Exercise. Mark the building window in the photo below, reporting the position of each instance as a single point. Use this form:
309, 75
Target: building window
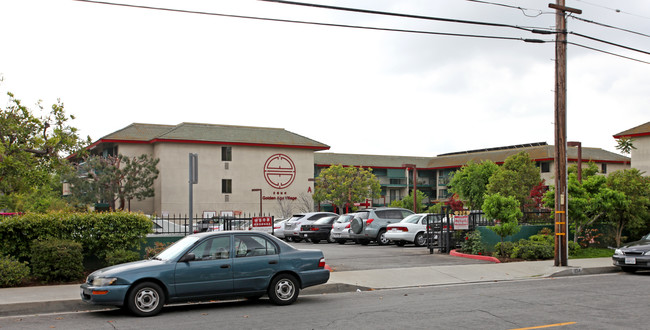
545, 167
226, 154
395, 181
603, 168
226, 186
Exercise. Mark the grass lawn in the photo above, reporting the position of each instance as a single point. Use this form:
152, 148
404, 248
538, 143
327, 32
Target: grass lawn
592, 253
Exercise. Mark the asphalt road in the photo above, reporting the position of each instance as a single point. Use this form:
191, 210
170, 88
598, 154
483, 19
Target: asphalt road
359, 257
606, 301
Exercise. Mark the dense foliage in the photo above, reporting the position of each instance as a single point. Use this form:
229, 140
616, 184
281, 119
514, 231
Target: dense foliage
470, 182
56, 260
12, 271
343, 185
98, 233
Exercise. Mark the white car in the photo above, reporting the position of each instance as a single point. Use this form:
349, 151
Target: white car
412, 229
341, 228
278, 228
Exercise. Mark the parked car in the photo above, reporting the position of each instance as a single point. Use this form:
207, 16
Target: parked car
161, 226
278, 228
341, 228
370, 224
208, 266
319, 230
633, 256
292, 226
412, 229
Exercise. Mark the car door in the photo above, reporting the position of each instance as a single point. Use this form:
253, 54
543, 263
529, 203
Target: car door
256, 261
210, 273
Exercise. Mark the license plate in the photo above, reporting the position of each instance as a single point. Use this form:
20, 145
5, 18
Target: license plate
336, 235
630, 261
304, 235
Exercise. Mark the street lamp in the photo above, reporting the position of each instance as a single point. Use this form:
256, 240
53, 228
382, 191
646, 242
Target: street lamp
260, 190
415, 185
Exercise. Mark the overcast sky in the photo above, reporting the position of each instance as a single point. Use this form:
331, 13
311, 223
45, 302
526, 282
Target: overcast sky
356, 90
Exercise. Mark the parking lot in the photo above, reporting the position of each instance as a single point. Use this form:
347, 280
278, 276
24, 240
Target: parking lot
359, 257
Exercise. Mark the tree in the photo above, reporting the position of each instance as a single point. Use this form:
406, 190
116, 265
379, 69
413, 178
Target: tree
516, 177
33, 150
506, 210
114, 178
407, 202
634, 212
625, 144
346, 185
589, 201
470, 182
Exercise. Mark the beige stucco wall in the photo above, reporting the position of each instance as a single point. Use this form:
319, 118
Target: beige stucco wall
641, 155
246, 170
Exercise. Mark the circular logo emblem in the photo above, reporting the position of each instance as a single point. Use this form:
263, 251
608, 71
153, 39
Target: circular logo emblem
279, 171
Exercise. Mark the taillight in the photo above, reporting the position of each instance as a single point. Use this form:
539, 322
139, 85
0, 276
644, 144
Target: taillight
369, 221
314, 229
348, 226
321, 263
404, 229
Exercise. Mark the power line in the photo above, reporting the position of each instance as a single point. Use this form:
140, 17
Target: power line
612, 9
432, 18
317, 23
606, 52
608, 26
609, 43
523, 10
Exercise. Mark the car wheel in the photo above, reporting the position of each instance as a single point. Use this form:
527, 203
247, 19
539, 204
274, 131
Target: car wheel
420, 240
297, 239
381, 237
400, 243
284, 289
288, 239
330, 239
145, 299
315, 241
341, 241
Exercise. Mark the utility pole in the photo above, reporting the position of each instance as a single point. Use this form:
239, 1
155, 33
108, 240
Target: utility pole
561, 191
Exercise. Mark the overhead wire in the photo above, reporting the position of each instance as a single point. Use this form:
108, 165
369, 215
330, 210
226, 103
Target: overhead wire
385, 13
606, 52
609, 43
316, 23
523, 10
608, 26
612, 9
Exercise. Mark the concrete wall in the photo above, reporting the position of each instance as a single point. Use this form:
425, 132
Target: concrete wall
641, 155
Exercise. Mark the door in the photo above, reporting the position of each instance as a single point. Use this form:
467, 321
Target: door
256, 261
210, 273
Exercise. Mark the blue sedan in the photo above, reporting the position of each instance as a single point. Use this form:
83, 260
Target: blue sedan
207, 266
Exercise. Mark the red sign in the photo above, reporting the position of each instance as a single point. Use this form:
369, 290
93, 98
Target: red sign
262, 222
279, 171
461, 222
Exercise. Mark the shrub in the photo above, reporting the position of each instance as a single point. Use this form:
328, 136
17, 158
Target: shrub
473, 243
121, 256
150, 252
506, 246
12, 271
57, 260
98, 233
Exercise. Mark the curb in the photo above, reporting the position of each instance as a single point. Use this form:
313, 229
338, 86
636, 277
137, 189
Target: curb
571, 271
473, 256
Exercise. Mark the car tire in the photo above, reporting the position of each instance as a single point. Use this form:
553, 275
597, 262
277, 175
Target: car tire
381, 237
341, 241
288, 238
145, 299
420, 240
284, 289
315, 241
297, 239
330, 239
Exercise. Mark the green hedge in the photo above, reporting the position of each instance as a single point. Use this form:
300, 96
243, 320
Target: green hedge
98, 233
57, 260
12, 271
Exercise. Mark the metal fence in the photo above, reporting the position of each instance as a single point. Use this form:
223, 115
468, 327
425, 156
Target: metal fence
179, 225
537, 217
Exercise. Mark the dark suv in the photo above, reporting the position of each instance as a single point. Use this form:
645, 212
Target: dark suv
370, 224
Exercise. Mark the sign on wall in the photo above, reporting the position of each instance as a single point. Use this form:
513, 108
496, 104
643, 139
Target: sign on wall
279, 171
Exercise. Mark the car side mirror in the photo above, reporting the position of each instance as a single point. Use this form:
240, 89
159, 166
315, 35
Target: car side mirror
188, 257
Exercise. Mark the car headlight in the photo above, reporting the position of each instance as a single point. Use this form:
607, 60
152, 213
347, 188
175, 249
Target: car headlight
104, 281
618, 252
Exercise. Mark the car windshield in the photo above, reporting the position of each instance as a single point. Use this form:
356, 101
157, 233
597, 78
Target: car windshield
646, 237
345, 218
413, 218
324, 221
295, 218
176, 249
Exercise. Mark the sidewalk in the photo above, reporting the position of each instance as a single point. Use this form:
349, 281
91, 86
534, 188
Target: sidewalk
65, 298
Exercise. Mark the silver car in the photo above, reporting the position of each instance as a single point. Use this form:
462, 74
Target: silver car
292, 226
341, 228
370, 224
